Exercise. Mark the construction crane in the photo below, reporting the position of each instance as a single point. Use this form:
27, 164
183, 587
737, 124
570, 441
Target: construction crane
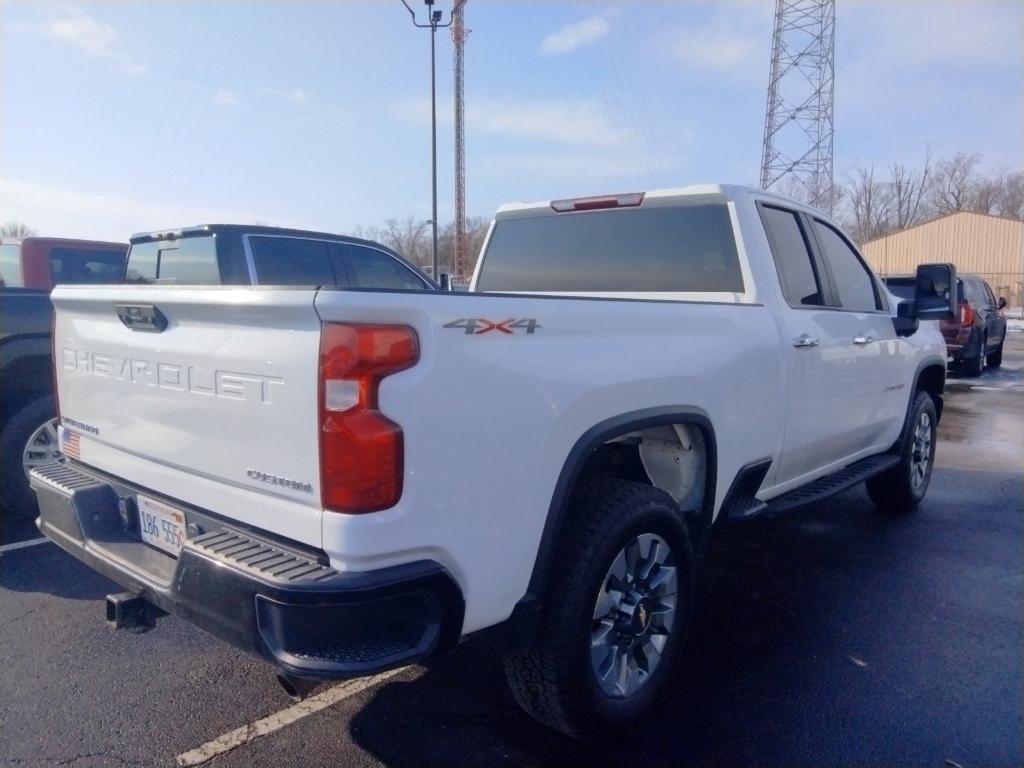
798, 128
459, 34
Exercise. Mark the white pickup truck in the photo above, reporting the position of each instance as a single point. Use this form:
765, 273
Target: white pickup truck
344, 480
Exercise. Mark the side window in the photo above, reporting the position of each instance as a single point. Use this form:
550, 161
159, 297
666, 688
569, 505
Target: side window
10, 266
291, 261
375, 269
855, 284
85, 265
792, 257
990, 295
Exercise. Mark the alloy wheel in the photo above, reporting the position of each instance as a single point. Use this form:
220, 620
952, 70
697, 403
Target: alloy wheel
43, 446
634, 615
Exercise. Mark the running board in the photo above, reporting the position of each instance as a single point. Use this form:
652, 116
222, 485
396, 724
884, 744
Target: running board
837, 482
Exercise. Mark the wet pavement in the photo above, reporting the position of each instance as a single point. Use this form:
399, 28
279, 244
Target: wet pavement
834, 636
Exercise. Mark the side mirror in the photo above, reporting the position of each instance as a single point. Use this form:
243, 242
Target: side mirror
1001, 304
934, 294
445, 282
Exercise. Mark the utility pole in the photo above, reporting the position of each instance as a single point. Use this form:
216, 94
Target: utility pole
459, 34
798, 126
433, 24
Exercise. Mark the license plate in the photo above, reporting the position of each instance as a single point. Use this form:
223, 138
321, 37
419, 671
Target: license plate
161, 525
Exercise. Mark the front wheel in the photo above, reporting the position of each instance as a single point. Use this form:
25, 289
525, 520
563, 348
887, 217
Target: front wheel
902, 488
615, 614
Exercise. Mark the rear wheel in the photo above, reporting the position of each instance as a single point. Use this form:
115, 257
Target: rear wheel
996, 358
901, 489
28, 439
974, 366
615, 613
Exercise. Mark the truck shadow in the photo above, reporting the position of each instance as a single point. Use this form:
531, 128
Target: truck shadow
794, 615
47, 569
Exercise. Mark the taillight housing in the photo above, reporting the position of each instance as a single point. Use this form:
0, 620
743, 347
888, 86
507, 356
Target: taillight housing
362, 451
966, 314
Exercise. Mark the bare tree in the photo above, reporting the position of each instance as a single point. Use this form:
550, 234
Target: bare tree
908, 189
408, 237
870, 203
954, 182
1012, 202
16, 229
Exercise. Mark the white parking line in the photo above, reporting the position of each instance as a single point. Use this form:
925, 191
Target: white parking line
23, 544
278, 720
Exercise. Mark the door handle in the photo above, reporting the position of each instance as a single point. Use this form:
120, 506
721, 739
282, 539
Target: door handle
805, 340
862, 340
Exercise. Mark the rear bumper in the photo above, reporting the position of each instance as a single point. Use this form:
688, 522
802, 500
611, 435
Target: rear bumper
277, 600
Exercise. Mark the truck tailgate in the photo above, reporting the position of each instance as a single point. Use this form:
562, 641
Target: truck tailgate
216, 410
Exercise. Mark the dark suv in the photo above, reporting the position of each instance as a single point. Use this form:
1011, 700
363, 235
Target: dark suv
975, 337
234, 254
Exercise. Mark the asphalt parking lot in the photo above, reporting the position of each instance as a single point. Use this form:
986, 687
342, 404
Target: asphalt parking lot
834, 636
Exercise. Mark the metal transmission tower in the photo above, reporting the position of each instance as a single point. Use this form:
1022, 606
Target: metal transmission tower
798, 127
459, 34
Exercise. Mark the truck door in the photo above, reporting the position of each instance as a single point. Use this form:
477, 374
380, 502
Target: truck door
882, 365
818, 356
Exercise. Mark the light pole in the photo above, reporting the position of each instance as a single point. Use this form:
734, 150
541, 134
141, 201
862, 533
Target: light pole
433, 24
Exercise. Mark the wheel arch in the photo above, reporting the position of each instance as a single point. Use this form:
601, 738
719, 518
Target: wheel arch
580, 454
931, 378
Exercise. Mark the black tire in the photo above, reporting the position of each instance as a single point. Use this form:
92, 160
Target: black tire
900, 490
973, 366
996, 358
17, 498
554, 680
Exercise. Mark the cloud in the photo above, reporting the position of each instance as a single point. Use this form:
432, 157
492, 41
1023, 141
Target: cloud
97, 39
294, 95
573, 36
61, 212
730, 44
579, 122
225, 98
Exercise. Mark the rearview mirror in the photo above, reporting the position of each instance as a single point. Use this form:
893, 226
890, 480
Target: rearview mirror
934, 293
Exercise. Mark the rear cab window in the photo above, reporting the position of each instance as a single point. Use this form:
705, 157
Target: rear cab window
86, 265
682, 248
190, 260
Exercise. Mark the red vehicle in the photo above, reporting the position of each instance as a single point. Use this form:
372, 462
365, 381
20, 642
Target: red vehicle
974, 339
43, 262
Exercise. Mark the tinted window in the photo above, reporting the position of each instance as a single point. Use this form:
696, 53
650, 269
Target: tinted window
792, 257
291, 261
684, 248
85, 265
10, 266
854, 282
903, 287
187, 261
376, 269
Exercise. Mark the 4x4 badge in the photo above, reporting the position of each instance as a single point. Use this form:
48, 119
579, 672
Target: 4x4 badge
481, 325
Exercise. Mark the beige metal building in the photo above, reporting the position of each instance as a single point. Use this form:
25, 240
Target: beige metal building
989, 246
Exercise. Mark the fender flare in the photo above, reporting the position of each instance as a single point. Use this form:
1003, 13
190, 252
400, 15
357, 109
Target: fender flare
573, 465
932, 361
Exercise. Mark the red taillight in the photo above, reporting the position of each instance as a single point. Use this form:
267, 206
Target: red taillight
595, 203
361, 450
966, 314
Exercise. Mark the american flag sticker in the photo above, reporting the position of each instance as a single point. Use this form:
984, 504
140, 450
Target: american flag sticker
70, 443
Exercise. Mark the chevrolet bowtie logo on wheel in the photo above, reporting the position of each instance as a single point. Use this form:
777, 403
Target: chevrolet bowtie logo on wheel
481, 325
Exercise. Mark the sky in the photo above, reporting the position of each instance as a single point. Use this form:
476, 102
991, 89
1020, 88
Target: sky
120, 117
